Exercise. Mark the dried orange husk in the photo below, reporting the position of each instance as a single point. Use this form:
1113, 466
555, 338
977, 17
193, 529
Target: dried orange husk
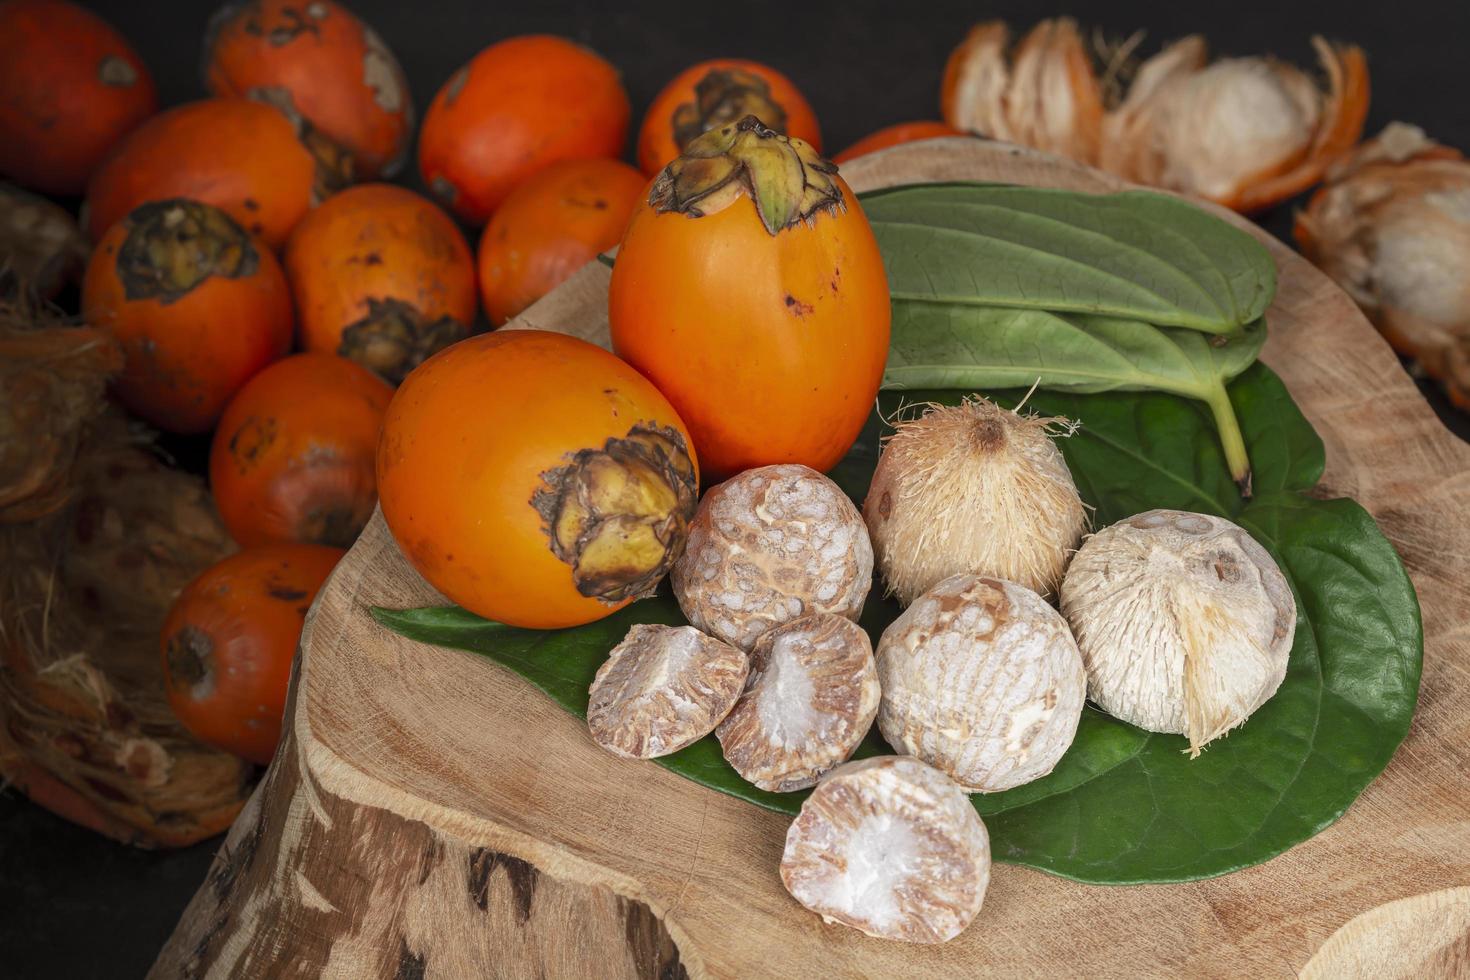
1244, 132
1392, 227
1046, 95
95, 553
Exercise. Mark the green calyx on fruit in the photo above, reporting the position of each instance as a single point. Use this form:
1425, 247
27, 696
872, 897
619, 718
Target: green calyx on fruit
784, 177
620, 515
173, 246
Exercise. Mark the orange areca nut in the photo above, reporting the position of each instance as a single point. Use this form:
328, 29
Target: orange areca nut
752, 263
294, 455
896, 135
72, 88
550, 226
229, 640
536, 479
198, 305
518, 106
381, 276
323, 62
244, 157
716, 93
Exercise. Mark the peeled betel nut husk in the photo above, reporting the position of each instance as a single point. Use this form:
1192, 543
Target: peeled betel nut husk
892, 847
662, 688
1243, 132
975, 488
769, 545
1392, 227
1184, 622
982, 680
809, 699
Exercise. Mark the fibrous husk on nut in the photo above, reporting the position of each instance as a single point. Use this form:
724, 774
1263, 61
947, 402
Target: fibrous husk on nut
981, 679
663, 688
98, 537
809, 700
769, 545
1392, 228
892, 847
1244, 132
1184, 622
973, 488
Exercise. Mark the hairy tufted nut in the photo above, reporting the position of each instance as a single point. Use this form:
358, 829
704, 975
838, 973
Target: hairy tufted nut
1184, 622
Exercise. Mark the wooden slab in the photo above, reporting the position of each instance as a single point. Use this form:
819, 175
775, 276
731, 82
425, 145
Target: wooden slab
431, 814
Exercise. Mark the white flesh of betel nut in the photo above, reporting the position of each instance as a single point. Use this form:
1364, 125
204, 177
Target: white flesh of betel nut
809, 700
890, 846
981, 678
769, 545
663, 688
1184, 621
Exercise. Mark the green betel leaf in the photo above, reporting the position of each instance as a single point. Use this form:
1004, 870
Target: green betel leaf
1135, 255
1125, 805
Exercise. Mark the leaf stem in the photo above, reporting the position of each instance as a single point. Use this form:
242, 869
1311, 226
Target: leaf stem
1232, 441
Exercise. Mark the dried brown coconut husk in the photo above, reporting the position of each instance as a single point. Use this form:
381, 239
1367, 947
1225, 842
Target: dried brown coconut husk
1392, 227
41, 246
98, 536
1243, 132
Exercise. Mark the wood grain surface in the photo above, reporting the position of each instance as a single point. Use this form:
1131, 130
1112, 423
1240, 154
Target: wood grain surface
432, 815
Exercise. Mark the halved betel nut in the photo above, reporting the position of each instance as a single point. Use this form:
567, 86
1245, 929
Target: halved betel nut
892, 847
810, 698
663, 688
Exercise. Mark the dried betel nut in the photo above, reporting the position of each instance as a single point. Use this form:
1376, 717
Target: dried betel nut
809, 700
769, 545
663, 688
1184, 622
890, 846
981, 678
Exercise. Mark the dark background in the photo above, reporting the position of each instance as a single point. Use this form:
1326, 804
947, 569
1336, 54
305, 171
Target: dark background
75, 905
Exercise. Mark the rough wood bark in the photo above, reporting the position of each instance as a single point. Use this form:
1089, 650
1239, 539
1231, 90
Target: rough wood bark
407, 764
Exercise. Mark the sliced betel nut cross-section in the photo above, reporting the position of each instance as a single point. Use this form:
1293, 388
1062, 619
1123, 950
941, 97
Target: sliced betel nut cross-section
890, 846
810, 698
662, 688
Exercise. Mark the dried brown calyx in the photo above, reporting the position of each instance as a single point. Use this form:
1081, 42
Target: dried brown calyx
723, 96
393, 338
786, 180
1244, 132
336, 168
811, 696
172, 246
1392, 228
663, 688
619, 514
891, 847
